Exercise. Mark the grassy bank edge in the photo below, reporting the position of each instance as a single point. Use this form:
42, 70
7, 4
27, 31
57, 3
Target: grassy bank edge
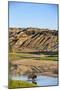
20, 84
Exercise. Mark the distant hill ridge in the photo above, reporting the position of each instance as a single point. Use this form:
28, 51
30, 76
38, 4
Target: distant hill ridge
33, 38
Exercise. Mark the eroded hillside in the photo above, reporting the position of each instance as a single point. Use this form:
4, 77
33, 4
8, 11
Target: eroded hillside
33, 38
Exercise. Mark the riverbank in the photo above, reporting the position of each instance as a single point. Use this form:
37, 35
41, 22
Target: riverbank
20, 84
41, 67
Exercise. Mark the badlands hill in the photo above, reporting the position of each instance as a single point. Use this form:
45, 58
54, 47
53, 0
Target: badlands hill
33, 39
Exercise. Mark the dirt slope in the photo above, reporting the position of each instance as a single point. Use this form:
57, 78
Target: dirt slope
38, 66
33, 38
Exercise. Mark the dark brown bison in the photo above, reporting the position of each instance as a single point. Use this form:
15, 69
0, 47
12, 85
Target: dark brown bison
32, 76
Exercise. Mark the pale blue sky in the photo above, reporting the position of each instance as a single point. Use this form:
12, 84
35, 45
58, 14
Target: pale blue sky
33, 15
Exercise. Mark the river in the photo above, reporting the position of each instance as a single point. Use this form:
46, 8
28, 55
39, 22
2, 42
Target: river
40, 80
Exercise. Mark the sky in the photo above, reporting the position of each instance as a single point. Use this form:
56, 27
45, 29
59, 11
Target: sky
35, 15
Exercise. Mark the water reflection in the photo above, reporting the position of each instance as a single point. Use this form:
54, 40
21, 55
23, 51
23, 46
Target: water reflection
34, 81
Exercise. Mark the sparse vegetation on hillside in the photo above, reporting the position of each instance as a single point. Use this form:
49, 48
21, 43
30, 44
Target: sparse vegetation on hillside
33, 38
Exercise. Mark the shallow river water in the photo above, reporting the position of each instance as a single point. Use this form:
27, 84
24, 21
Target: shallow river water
40, 80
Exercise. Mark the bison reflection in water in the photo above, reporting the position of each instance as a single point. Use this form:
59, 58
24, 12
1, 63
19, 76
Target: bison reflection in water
33, 76
34, 81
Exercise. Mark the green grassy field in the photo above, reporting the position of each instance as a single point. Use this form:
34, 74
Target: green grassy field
27, 56
55, 58
20, 84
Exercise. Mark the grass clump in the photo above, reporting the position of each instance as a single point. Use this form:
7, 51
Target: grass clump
20, 84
